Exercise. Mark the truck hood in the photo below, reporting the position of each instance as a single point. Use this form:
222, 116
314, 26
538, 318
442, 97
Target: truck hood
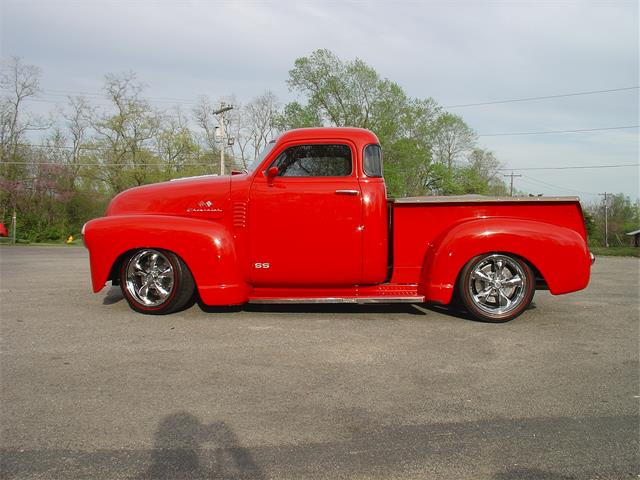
201, 197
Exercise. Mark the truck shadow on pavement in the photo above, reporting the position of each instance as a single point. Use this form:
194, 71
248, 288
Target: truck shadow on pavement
458, 312
341, 308
114, 295
185, 448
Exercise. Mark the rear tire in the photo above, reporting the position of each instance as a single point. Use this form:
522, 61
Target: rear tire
156, 282
496, 287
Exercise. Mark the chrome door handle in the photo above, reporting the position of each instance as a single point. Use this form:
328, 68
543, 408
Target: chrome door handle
346, 192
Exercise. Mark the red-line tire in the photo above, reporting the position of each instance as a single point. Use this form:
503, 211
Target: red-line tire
156, 282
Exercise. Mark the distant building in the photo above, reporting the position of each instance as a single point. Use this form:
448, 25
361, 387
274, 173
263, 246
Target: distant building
635, 240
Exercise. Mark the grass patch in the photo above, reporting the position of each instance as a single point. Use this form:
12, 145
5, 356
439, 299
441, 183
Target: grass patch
616, 251
26, 243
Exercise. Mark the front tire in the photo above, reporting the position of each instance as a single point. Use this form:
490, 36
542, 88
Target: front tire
496, 287
156, 282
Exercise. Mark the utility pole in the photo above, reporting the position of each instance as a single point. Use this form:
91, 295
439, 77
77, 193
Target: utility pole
13, 227
512, 175
606, 217
222, 129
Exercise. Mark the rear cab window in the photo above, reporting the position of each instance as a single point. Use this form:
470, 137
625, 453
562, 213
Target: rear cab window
372, 164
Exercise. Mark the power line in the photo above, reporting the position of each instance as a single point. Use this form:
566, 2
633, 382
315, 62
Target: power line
531, 179
60, 147
574, 167
81, 147
208, 164
512, 169
558, 131
164, 164
530, 99
102, 96
66, 93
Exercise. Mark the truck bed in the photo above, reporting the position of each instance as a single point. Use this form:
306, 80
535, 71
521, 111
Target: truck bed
418, 222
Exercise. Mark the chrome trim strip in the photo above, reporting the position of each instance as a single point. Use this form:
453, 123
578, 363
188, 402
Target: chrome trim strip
483, 199
347, 192
354, 300
194, 176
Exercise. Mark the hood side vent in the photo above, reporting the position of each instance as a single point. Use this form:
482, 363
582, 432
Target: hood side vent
240, 214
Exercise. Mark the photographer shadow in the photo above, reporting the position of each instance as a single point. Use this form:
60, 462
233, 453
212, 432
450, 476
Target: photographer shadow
186, 449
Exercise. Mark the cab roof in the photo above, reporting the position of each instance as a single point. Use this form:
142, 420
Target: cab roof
360, 136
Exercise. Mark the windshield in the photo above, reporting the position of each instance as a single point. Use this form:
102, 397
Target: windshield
265, 151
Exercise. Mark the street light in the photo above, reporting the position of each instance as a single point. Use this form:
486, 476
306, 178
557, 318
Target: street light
220, 131
223, 109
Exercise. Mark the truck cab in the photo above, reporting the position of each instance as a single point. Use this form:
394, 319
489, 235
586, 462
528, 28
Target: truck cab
316, 217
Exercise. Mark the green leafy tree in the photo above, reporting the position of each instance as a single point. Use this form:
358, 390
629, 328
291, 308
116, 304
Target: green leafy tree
417, 137
295, 115
589, 223
343, 93
623, 216
351, 93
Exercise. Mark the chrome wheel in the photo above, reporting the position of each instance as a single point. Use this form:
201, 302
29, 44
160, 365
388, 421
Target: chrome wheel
149, 278
498, 285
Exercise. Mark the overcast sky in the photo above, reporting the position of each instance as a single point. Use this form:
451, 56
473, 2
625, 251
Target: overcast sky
457, 52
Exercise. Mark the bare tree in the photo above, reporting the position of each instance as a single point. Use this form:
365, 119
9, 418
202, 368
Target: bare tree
125, 132
18, 82
253, 126
238, 128
261, 114
453, 138
175, 143
207, 122
78, 119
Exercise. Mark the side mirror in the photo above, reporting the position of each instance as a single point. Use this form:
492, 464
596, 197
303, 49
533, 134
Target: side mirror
272, 172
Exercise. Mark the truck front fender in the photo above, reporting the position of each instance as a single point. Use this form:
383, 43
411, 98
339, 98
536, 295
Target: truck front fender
206, 247
558, 253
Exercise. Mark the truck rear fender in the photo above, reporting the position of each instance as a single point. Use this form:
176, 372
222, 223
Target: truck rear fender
559, 254
206, 247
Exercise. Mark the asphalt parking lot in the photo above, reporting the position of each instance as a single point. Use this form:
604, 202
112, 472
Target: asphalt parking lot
90, 389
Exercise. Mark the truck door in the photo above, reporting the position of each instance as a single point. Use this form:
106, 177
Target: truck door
305, 219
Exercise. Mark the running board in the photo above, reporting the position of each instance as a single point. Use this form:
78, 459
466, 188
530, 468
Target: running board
356, 300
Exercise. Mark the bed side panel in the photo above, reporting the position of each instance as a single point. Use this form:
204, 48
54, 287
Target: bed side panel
417, 226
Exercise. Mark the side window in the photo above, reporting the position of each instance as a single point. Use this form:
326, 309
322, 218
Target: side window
373, 161
314, 161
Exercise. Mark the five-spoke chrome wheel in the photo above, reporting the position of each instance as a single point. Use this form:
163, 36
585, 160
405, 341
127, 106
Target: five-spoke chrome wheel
150, 277
496, 287
156, 281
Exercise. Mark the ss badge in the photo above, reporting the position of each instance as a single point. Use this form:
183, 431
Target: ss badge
261, 265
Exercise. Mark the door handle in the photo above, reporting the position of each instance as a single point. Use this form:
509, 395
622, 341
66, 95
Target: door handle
346, 192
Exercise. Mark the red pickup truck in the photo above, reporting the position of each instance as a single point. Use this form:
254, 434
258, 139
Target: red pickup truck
310, 222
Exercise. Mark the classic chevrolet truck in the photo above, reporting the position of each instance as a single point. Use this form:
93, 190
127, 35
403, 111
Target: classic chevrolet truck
310, 222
